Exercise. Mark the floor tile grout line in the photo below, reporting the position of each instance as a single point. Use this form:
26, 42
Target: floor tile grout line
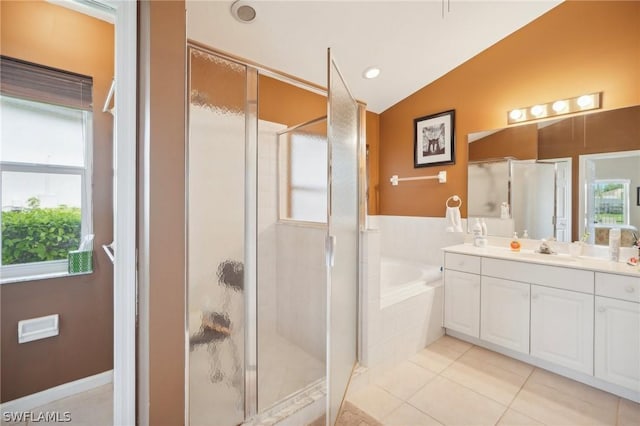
475, 391
572, 382
516, 396
521, 387
436, 374
425, 413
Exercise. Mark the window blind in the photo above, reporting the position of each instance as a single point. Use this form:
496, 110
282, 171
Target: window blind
40, 83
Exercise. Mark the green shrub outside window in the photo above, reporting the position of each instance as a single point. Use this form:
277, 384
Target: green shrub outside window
39, 234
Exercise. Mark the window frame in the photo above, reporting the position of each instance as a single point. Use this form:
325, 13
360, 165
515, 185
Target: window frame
626, 200
54, 268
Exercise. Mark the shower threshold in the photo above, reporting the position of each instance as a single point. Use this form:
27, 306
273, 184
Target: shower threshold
313, 394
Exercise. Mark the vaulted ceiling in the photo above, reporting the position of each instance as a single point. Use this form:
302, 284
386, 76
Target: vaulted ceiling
412, 42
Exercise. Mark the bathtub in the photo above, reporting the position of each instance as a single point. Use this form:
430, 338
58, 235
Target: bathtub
402, 279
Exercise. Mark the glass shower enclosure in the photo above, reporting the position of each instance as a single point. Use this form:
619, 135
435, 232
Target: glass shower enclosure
272, 248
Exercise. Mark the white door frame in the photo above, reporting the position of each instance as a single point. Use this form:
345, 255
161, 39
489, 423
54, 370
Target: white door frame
582, 180
569, 193
124, 232
124, 15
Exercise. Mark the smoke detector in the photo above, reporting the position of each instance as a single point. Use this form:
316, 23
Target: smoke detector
243, 11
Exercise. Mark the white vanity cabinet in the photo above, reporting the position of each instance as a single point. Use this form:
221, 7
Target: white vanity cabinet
504, 313
462, 293
462, 302
562, 327
577, 317
617, 330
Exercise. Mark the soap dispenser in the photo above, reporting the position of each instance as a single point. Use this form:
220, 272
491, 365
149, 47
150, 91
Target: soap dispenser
477, 233
515, 244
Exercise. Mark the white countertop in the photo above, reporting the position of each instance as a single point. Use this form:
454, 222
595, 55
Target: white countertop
563, 260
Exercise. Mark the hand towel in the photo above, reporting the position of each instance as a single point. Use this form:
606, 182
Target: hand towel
454, 220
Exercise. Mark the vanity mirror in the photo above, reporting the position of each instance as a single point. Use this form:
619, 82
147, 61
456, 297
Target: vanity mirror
560, 177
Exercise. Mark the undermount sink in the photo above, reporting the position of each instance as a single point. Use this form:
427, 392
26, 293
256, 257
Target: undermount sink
561, 258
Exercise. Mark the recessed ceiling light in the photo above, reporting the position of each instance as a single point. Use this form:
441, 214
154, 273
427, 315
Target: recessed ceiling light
371, 72
243, 11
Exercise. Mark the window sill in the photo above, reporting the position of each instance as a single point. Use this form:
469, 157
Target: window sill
41, 277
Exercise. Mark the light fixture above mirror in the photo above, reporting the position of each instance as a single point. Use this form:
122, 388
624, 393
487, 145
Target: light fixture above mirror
554, 108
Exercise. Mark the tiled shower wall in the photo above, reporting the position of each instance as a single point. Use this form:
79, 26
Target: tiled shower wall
291, 262
301, 286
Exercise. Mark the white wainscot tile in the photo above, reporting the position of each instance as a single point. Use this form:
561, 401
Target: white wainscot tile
389, 323
374, 323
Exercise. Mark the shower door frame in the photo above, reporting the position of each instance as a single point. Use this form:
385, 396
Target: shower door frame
253, 70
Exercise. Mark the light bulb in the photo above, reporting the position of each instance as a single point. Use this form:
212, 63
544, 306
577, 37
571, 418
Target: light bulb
537, 110
559, 106
585, 101
515, 114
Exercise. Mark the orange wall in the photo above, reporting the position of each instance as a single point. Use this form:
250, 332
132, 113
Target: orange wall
162, 105
577, 47
57, 37
284, 103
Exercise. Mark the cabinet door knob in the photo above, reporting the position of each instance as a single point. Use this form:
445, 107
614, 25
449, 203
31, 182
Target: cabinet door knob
534, 296
630, 289
601, 309
525, 295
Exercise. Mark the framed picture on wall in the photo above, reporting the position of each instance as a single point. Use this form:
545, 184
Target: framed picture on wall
434, 139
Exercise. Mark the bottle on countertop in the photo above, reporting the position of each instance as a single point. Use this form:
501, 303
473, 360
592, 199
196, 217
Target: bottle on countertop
483, 224
525, 234
515, 244
615, 236
477, 233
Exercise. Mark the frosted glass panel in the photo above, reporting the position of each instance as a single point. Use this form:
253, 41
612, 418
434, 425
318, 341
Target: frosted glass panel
216, 212
343, 226
303, 173
488, 188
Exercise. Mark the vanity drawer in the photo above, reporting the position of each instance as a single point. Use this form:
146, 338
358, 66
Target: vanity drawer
618, 286
549, 276
462, 262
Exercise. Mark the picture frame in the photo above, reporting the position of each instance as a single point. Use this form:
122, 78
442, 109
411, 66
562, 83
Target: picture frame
434, 139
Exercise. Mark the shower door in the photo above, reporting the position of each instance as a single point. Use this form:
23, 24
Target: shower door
342, 238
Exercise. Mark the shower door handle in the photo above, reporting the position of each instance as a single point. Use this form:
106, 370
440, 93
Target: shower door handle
330, 248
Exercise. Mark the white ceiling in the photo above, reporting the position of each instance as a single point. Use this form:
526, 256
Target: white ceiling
410, 41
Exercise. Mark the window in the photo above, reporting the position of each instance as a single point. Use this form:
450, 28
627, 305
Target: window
303, 167
45, 175
611, 201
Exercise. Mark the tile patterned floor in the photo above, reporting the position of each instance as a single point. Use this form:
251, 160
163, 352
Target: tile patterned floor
452, 382
449, 383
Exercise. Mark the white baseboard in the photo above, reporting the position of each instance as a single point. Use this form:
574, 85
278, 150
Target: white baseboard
29, 402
